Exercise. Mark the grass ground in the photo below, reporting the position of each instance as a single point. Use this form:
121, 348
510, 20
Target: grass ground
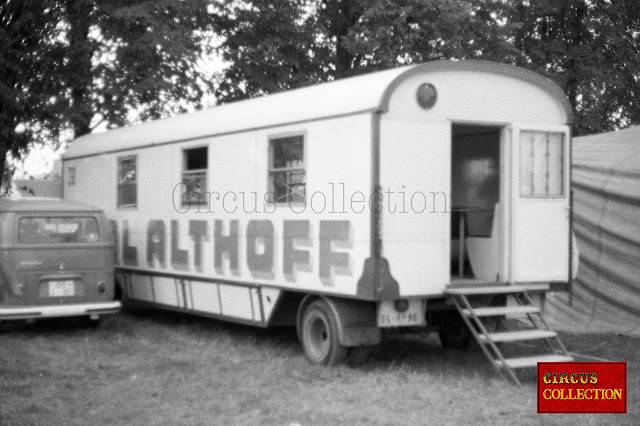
148, 368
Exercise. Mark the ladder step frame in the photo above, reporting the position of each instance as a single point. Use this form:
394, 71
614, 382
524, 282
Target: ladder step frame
495, 311
518, 336
487, 341
532, 361
500, 289
495, 363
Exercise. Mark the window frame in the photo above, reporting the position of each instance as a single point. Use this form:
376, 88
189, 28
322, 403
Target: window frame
204, 201
563, 164
71, 172
119, 160
271, 171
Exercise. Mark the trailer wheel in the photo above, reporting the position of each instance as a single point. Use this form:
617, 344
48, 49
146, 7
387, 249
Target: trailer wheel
320, 335
454, 333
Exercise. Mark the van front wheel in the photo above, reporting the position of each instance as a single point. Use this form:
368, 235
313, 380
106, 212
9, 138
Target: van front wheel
320, 335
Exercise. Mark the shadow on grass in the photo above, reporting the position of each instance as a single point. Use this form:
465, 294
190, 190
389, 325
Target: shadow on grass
48, 326
408, 352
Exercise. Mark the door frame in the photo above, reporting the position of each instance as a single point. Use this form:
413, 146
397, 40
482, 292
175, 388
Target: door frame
505, 188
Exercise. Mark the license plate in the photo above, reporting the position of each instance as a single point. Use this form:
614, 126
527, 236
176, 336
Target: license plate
388, 315
61, 288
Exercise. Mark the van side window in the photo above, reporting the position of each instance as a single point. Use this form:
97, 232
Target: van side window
287, 179
194, 175
127, 182
541, 164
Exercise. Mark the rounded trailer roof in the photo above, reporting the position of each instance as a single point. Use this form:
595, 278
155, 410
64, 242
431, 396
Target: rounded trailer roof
360, 94
43, 205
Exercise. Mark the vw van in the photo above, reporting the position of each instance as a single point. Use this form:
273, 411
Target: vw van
56, 260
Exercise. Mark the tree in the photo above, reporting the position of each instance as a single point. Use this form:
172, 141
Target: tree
335, 20
69, 64
270, 45
23, 28
275, 45
413, 31
591, 49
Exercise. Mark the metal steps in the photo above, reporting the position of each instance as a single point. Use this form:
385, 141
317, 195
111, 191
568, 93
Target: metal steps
502, 310
532, 361
514, 336
474, 305
497, 289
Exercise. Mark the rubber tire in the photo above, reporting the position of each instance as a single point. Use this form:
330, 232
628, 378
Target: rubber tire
456, 334
320, 335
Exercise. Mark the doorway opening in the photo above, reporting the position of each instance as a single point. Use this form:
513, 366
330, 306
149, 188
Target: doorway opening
475, 202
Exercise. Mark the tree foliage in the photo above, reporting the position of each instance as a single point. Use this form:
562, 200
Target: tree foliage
416, 31
24, 27
270, 45
589, 47
68, 64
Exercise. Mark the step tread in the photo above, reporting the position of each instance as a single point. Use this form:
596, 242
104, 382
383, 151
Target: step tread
497, 289
502, 310
532, 361
513, 336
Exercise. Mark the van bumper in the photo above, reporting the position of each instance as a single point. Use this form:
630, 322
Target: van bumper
60, 311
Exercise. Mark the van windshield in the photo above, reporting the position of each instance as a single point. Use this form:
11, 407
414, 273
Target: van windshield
56, 230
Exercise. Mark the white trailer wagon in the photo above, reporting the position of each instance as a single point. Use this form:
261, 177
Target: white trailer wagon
403, 198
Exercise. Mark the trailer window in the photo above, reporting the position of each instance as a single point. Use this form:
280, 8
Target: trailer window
71, 180
541, 164
287, 169
194, 176
127, 182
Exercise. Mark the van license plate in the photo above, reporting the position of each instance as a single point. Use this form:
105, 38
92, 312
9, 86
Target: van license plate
61, 288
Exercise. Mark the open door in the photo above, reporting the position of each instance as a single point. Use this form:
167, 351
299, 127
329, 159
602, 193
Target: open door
476, 181
540, 204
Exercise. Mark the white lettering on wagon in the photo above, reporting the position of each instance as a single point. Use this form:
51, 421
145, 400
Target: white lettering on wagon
163, 247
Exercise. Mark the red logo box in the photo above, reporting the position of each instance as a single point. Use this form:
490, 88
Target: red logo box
582, 387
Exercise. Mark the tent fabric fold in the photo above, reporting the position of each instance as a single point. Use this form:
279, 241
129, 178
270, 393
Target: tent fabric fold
605, 296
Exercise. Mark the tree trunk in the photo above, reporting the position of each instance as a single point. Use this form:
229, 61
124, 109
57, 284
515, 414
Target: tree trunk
577, 31
80, 53
340, 16
4, 149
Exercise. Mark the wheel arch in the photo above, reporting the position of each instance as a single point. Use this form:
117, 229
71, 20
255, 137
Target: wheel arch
356, 319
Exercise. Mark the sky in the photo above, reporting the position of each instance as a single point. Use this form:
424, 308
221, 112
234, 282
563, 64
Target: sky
39, 162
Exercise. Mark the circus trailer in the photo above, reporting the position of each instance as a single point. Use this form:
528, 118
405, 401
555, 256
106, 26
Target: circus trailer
346, 207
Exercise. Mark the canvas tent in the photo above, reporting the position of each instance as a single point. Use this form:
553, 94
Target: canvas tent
605, 296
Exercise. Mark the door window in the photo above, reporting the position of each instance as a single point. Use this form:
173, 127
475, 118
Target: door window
541, 164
